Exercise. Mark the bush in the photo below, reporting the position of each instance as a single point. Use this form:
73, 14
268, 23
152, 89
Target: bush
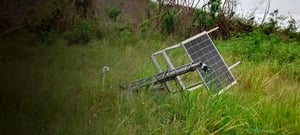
112, 13
168, 20
273, 24
83, 31
259, 47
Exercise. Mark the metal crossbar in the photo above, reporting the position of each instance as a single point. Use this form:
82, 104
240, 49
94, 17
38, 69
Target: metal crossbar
215, 75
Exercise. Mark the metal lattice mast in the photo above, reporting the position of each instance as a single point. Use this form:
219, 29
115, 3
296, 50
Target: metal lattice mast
165, 76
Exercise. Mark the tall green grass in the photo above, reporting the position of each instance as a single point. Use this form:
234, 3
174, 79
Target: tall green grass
56, 89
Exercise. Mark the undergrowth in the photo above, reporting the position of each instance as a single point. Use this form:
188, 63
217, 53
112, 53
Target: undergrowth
56, 89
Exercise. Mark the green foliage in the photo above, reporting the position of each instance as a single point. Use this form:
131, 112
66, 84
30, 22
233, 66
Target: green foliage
125, 33
259, 47
112, 13
273, 24
214, 7
200, 16
168, 20
122, 32
56, 89
291, 29
145, 27
83, 31
204, 17
41, 30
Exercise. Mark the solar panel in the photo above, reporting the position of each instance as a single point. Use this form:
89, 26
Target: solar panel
200, 48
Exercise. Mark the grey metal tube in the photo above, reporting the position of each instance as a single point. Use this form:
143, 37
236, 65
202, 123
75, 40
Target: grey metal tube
165, 76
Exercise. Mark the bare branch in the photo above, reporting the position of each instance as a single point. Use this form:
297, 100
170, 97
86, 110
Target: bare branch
266, 11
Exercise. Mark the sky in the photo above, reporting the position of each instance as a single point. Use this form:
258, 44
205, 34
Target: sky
285, 7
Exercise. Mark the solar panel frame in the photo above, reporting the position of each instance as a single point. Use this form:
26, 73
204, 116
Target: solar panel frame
222, 65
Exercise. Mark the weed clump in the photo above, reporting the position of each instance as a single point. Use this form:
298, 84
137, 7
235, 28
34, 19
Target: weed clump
83, 31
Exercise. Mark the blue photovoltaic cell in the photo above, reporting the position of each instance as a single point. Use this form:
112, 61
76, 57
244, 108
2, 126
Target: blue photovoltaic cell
202, 49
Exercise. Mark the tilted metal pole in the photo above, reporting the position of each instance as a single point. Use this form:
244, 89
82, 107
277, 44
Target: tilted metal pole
165, 76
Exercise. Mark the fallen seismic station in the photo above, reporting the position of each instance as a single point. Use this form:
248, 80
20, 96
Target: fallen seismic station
204, 59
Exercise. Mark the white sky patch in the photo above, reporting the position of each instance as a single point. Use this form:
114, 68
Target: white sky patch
286, 8
246, 7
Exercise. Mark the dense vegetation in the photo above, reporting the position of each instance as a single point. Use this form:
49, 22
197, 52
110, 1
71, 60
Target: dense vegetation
51, 79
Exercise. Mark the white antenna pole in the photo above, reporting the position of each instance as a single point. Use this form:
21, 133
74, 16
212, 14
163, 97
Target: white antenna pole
104, 70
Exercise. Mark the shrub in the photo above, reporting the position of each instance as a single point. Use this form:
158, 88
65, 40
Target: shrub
112, 13
168, 22
272, 26
83, 31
